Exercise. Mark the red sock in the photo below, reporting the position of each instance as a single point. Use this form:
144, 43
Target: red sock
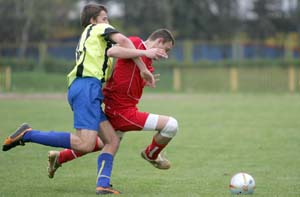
68, 154
154, 149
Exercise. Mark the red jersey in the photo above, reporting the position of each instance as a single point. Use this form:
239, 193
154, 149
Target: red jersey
125, 87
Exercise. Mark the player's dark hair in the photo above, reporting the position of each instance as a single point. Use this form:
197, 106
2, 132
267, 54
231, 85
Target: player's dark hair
91, 10
163, 33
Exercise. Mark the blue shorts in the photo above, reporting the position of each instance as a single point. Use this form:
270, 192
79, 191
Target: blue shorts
85, 98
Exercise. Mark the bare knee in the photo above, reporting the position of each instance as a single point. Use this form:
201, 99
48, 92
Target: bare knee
83, 146
84, 141
112, 140
108, 135
87, 147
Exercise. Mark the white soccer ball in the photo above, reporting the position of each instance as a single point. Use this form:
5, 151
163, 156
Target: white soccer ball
242, 183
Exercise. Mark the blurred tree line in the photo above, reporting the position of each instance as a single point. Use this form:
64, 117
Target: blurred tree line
27, 21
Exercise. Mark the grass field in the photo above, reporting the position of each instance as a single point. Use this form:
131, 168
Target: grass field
220, 134
193, 79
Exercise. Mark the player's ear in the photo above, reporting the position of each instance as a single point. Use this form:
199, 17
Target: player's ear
160, 40
92, 20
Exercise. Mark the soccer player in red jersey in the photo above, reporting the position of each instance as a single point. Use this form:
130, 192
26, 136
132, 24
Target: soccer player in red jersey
123, 92
121, 96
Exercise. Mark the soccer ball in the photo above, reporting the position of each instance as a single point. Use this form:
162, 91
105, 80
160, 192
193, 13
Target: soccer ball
242, 183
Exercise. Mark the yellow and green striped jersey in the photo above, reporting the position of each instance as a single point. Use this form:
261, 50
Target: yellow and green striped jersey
91, 53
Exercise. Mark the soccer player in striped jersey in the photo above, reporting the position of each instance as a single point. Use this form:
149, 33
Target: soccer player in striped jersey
122, 93
93, 62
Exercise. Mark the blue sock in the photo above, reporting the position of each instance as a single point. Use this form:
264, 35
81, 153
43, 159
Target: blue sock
52, 138
105, 164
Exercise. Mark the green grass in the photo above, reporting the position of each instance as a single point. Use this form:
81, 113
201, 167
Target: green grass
220, 134
193, 79
38, 82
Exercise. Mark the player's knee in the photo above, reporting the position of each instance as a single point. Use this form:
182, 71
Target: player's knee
170, 129
116, 141
112, 142
87, 147
83, 146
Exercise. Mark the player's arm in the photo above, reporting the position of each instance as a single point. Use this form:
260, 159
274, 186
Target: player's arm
129, 53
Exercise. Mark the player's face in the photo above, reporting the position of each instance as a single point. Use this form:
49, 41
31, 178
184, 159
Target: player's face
101, 18
167, 46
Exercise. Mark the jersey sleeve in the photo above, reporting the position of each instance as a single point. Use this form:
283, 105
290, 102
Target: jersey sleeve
105, 30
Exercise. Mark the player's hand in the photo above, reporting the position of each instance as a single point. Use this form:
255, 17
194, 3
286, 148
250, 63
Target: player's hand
156, 78
148, 77
156, 53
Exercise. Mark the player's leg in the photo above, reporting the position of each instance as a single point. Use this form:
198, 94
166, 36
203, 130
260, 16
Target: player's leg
167, 128
81, 141
132, 119
69, 154
83, 98
57, 158
105, 160
26, 134
88, 114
